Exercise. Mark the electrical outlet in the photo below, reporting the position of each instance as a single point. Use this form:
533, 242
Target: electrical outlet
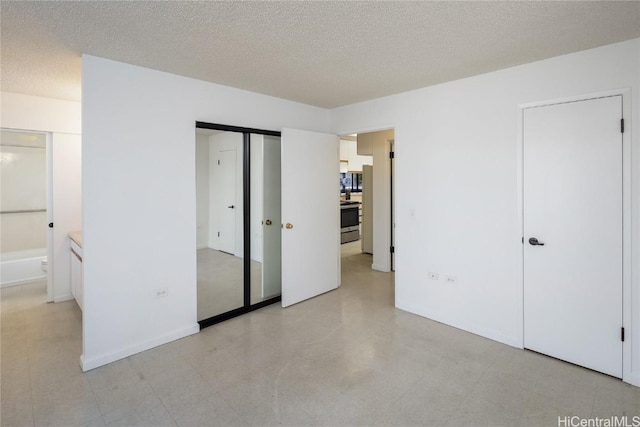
450, 279
434, 276
160, 293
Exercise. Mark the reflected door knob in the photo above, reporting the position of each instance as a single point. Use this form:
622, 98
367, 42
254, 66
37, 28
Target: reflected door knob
268, 222
289, 226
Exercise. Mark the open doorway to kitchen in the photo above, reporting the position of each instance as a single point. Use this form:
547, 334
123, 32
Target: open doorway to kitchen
366, 198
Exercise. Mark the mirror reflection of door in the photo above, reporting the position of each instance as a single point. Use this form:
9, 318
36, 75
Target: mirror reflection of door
219, 222
224, 198
265, 218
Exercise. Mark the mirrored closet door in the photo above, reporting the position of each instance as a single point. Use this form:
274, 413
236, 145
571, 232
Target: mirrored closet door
266, 244
238, 221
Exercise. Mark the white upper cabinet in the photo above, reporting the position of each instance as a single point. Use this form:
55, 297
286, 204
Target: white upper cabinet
349, 153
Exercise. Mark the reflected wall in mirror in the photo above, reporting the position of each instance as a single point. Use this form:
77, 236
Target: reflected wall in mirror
219, 218
266, 246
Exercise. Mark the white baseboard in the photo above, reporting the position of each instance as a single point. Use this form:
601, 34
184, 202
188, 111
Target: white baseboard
95, 362
63, 298
382, 268
22, 281
439, 317
634, 379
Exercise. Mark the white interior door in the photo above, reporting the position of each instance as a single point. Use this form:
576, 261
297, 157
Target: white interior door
272, 234
573, 206
66, 208
227, 202
310, 215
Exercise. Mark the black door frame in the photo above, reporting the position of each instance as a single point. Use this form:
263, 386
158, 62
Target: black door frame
246, 222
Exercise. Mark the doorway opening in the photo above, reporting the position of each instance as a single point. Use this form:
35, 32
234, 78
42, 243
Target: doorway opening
366, 161
238, 221
24, 210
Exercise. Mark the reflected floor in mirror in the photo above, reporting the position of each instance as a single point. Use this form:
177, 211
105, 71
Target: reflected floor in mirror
220, 282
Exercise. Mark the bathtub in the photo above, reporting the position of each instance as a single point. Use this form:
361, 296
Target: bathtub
17, 268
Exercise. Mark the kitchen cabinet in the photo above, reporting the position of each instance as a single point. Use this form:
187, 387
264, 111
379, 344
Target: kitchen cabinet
365, 144
77, 285
349, 153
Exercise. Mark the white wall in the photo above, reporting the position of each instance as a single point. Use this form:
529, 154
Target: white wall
139, 198
202, 186
456, 185
28, 112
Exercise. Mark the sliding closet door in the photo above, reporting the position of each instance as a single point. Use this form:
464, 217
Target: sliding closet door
266, 247
238, 220
219, 210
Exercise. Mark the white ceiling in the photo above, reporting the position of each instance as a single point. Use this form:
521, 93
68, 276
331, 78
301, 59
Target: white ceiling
320, 53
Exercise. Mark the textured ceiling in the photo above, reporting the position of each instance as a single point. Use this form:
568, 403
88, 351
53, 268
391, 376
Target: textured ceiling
321, 53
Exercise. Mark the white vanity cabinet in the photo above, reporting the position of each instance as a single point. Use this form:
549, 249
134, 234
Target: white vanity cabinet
77, 288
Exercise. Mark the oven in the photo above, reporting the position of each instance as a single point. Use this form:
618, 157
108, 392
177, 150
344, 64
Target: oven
349, 221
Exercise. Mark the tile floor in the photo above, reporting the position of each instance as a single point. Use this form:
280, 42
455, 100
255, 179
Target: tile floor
346, 358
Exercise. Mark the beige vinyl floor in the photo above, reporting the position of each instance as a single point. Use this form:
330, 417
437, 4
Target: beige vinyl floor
345, 358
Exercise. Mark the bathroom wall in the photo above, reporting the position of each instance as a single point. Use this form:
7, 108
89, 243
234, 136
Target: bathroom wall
23, 186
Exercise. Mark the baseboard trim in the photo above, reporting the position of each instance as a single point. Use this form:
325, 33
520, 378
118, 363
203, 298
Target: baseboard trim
382, 268
438, 317
95, 362
634, 379
22, 281
63, 298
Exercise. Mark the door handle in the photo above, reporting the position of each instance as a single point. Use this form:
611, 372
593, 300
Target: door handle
231, 207
268, 222
289, 226
534, 242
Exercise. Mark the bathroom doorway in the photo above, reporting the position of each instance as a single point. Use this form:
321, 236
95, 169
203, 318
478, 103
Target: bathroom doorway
24, 202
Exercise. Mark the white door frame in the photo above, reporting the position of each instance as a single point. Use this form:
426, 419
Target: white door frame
627, 236
50, 263
49, 202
